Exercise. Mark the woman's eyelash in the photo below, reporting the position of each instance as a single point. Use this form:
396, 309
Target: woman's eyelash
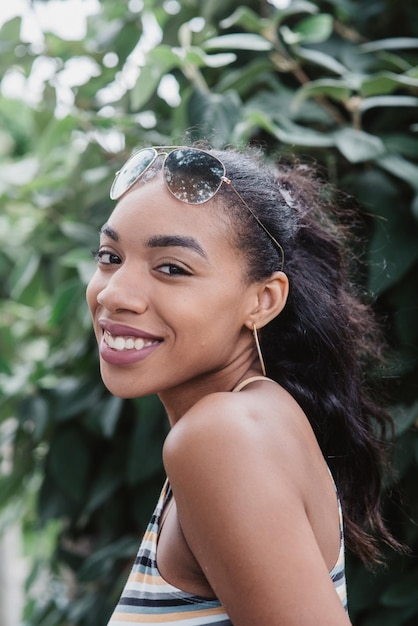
106, 257
101, 254
173, 270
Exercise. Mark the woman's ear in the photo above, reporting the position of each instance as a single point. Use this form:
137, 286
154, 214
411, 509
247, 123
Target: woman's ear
271, 295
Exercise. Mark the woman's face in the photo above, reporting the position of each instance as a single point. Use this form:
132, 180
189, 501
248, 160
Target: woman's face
169, 298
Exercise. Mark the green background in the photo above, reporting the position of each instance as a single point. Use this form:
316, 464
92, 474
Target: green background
334, 82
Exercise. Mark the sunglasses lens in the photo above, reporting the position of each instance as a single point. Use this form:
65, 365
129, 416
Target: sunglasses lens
131, 171
193, 176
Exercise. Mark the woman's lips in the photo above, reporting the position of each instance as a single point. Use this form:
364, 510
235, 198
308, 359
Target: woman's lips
120, 330
123, 345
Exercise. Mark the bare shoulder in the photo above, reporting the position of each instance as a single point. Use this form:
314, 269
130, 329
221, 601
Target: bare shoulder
243, 452
244, 462
262, 423
232, 452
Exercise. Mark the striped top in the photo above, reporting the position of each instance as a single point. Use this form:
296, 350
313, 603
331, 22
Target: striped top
149, 599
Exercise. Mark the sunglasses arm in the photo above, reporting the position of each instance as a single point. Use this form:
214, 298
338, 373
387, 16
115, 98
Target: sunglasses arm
227, 181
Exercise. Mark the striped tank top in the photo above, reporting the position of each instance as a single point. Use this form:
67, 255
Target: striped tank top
149, 599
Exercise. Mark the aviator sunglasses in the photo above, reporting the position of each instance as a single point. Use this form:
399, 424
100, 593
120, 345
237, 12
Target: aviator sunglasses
192, 175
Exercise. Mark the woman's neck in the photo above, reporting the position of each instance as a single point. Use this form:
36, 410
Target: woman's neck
180, 399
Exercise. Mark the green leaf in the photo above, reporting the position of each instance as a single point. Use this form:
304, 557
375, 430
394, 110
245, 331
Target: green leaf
78, 231
273, 103
214, 116
338, 90
312, 29
245, 17
245, 80
288, 132
383, 83
110, 411
65, 302
400, 167
294, 8
315, 28
9, 36
19, 173
393, 43
75, 258
72, 397
104, 559
159, 61
393, 250
358, 146
317, 57
57, 133
388, 101
218, 60
403, 144
239, 41
34, 410
24, 273
196, 57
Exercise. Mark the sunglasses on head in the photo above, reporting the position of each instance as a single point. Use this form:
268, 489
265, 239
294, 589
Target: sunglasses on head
192, 175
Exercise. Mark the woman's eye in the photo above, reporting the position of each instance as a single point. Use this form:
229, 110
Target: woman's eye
173, 270
105, 257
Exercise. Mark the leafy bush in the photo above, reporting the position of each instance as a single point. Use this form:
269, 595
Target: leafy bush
333, 81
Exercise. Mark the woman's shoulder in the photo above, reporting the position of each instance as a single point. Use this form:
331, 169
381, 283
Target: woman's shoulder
262, 423
224, 414
241, 462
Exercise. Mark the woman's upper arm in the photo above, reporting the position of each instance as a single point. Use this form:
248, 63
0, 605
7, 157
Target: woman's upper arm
245, 521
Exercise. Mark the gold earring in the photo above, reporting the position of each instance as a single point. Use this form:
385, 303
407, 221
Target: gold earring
260, 356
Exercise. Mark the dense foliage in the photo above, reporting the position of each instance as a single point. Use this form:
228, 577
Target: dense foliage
335, 81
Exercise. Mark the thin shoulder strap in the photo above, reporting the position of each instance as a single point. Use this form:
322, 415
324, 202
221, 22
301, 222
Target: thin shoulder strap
250, 380
164, 505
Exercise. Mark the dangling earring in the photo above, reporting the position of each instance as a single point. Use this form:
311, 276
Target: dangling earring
260, 356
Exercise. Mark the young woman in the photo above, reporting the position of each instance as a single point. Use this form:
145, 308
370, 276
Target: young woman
221, 285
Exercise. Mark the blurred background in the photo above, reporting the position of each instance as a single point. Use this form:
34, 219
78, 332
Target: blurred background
84, 82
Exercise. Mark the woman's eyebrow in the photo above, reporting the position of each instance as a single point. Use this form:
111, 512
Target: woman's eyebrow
166, 241
109, 232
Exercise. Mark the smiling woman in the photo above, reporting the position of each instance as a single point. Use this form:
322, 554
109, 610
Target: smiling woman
221, 285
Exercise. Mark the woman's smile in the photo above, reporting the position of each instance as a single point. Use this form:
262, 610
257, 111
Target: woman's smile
122, 345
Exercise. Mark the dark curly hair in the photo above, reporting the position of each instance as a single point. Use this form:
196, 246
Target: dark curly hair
322, 346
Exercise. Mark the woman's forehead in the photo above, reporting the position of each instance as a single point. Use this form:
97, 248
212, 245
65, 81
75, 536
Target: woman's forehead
151, 210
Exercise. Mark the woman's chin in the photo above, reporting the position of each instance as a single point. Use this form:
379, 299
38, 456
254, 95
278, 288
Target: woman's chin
120, 388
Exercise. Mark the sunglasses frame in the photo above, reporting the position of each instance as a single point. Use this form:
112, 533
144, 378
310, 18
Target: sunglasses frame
166, 151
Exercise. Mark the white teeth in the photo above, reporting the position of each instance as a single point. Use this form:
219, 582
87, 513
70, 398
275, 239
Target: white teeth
139, 344
119, 343
126, 343
109, 339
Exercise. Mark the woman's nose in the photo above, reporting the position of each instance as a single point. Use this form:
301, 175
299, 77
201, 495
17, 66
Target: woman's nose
123, 292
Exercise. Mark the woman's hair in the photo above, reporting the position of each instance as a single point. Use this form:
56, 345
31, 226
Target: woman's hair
325, 340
